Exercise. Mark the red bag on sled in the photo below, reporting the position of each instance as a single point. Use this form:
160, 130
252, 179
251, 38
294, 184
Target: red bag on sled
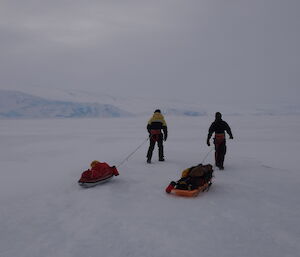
98, 173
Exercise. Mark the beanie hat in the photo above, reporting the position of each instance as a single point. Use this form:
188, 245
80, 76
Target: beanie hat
218, 115
157, 110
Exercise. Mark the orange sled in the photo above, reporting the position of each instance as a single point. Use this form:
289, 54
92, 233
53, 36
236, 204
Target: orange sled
193, 180
191, 193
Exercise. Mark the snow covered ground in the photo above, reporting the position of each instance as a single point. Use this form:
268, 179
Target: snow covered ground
252, 209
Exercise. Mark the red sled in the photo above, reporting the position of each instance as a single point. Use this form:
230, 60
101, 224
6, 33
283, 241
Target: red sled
99, 173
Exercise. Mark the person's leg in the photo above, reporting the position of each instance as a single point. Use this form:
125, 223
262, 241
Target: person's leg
217, 156
160, 148
150, 150
222, 152
216, 153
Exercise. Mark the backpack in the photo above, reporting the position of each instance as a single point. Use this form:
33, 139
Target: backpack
195, 177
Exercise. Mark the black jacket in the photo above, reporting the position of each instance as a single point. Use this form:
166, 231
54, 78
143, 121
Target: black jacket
219, 126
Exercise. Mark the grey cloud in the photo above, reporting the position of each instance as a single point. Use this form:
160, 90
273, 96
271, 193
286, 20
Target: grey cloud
211, 49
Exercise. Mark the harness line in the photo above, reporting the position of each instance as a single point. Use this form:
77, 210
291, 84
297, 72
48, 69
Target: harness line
207, 154
126, 159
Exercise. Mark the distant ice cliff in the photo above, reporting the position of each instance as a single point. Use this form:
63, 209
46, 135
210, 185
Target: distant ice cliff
15, 104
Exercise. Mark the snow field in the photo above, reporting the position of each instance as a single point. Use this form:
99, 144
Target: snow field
252, 208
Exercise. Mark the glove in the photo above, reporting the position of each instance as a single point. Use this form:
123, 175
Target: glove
207, 142
165, 137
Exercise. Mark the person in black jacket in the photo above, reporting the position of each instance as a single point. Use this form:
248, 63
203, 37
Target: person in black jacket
219, 127
155, 126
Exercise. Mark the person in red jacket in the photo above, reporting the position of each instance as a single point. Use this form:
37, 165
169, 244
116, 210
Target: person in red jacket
219, 127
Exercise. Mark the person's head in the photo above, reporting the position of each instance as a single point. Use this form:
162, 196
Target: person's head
218, 116
157, 111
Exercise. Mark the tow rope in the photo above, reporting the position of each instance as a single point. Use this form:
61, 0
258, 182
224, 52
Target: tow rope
207, 154
126, 159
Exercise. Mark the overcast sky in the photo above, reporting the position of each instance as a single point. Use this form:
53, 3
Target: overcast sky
223, 50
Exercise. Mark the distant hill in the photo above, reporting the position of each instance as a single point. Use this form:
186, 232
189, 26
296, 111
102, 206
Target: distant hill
83, 104
15, 104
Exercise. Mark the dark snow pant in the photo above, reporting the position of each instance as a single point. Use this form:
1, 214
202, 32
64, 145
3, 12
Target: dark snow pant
153, 140
220, 151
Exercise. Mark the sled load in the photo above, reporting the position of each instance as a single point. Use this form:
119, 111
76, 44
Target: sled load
193, 180
98, 173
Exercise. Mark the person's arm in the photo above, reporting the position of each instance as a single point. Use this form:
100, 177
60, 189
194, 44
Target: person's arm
165, 130
210, 132
228, 130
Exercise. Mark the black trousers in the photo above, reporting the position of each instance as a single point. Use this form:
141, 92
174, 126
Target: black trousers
220, 151
153, 139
